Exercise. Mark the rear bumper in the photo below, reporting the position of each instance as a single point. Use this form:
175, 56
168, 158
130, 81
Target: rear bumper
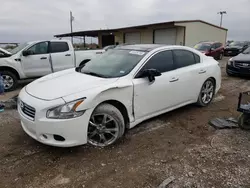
231, 52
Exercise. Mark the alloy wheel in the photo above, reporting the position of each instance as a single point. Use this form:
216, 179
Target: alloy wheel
8, 81
207, 92
103, 130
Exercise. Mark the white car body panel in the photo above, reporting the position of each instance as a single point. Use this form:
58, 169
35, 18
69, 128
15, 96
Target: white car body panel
142, 99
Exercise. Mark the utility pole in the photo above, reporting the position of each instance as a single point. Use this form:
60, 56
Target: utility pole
221, 16
71, 26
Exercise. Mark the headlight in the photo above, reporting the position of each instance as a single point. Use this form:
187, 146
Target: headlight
230, 62
66, 111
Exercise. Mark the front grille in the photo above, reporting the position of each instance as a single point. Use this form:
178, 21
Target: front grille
242, 64
28, 110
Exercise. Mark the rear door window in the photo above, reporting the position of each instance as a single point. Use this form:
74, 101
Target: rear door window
56, 47
184, 58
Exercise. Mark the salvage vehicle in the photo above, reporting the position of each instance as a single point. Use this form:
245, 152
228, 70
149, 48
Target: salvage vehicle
240, 64
214, 49
235, 48
39, 58
95, 103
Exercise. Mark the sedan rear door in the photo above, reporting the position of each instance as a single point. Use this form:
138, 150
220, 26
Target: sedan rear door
191, 74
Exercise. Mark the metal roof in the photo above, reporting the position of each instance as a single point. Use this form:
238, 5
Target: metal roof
94, 33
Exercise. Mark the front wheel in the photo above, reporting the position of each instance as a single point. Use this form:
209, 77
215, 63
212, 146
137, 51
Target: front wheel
106, 126
9, 80
207, 93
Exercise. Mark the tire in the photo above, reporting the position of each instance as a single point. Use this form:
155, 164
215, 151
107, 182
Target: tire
244, 121
111, 131
12, 80
209, 95
220, 56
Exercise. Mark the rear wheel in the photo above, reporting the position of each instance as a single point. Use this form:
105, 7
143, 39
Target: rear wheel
9, 80
244, 121
220, 56
106, 126
207, 93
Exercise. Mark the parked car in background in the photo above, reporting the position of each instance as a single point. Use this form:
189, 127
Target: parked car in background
240, 64
4, 53
115, 91
236, 47
39, 58
214, 49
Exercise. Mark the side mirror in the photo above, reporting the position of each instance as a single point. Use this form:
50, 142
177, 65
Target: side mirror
151, 74
27, 53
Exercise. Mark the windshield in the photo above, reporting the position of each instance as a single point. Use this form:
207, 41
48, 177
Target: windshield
18, 48
246, 51
236, 43
203, 46
113, 63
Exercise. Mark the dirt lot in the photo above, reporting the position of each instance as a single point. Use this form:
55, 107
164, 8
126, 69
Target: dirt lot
179, 144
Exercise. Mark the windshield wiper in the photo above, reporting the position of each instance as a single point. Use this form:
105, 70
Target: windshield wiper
95, 74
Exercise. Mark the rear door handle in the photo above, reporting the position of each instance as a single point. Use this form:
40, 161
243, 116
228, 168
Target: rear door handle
202, 71
174, 80
68, 55
43, 58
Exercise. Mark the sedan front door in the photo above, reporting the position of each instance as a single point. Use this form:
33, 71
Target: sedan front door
153, 97
38, 62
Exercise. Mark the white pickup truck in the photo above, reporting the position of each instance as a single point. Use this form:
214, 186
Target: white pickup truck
39, 58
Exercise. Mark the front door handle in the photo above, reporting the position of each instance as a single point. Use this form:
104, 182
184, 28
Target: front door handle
68, 55
43, 58
202, 71
174, 80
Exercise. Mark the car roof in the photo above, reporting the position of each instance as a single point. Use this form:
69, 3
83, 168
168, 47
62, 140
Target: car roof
141, 47
208, 42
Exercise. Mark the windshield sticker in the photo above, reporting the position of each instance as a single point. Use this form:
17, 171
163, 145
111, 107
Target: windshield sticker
122, 72
137, 52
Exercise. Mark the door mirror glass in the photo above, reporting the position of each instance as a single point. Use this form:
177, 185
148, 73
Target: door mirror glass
151, 74
27, 52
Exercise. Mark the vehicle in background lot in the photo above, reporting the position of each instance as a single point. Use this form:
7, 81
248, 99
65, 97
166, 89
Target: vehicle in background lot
214, 49
240, 64
236, 47
118, 90
4, 53
36, 59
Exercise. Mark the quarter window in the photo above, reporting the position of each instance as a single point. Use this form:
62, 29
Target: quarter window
39, 48
184, 58
56, 47
162, 61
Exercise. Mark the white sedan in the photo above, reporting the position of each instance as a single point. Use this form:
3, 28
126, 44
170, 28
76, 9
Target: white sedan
120, 89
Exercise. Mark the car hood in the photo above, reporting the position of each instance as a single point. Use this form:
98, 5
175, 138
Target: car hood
64, 83
242, 57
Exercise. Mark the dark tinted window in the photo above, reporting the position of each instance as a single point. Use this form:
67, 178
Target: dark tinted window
39, 48
58, 47
162, 61
218, 45
184, 58
197, 58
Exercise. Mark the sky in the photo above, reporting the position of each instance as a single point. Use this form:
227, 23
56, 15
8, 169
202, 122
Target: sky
28, 20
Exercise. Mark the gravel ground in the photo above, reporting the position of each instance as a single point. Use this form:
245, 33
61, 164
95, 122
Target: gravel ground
180, 144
